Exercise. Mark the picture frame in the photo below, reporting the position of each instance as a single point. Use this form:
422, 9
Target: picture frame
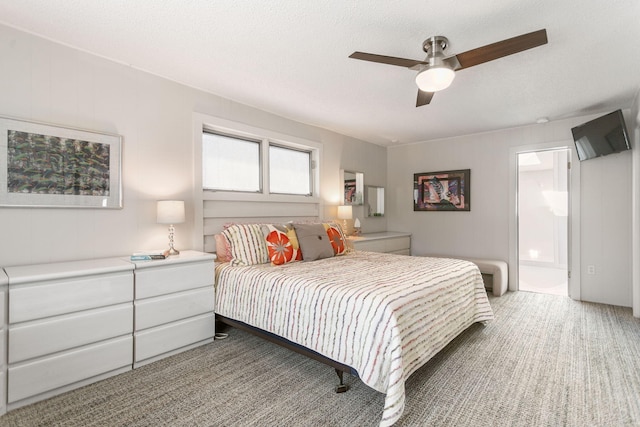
46, 165
442, 191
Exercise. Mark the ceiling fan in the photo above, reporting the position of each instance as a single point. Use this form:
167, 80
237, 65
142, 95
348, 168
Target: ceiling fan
436, 72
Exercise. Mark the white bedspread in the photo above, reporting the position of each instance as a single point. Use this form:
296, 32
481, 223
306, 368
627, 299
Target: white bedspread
384, 315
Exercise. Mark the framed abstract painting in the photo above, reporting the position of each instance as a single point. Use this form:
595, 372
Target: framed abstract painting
442, 191
43, 165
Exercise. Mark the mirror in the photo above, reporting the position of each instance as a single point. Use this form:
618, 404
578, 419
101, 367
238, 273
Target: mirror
353, 188
375, 201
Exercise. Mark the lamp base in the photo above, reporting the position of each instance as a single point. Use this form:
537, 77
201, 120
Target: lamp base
345, 227
172, 250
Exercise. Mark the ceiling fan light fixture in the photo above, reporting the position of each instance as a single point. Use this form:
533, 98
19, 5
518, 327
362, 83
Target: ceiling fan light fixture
433, 79
437, 71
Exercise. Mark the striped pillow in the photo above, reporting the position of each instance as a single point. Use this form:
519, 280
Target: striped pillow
246, 244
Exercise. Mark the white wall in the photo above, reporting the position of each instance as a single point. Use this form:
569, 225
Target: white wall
606, 198
47, 82
605, 208
635, 132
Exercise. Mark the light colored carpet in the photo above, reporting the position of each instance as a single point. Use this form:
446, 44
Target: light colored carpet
545, 361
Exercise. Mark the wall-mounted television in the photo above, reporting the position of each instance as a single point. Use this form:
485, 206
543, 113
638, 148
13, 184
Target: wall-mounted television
601, 136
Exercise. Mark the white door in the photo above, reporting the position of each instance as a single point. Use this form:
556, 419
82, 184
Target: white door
542, 218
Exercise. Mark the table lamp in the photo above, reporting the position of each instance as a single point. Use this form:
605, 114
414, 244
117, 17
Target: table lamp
171, 212
344, 213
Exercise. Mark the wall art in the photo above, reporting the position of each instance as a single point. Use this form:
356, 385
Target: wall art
442, 191
44, 165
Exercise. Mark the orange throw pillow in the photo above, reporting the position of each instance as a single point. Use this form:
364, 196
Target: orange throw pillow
336, 237
282, 244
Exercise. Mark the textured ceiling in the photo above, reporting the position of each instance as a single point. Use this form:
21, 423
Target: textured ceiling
290, 57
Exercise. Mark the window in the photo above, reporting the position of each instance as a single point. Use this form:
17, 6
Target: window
289, 171
247, 163
230, 163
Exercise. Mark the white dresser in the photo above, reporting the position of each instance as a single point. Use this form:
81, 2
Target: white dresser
174, 303
3, 341
386, 241
73, 323
69, 324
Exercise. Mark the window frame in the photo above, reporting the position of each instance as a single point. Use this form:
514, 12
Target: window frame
260, 162
204, 123
311, 167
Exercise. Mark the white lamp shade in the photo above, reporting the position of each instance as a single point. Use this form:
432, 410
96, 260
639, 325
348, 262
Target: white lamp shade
170, 212
345, 212
435, 78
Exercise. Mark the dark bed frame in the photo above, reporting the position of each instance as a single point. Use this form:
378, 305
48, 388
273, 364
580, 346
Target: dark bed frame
340, 368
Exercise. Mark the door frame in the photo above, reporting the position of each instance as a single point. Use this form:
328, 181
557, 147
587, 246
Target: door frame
573, 244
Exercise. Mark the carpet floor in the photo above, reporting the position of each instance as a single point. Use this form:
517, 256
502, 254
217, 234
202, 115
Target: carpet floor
544, 361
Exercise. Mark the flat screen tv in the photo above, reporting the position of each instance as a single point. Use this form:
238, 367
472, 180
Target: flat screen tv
601, 136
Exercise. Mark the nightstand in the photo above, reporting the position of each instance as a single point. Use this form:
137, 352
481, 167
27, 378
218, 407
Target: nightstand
386, 241
173, 305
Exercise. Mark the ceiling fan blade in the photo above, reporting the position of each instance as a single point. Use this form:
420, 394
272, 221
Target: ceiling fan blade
503, 48
423, 98
382, 59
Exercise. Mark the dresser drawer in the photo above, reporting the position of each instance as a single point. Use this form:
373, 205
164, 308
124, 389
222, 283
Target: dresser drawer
3, 300
162, 339
52, 298
395, 244
32, 378
402, 252
34, 339
371, 246
3, 393
3, 347
164, 309
166, 279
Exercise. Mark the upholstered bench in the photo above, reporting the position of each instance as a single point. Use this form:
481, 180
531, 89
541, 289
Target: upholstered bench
498, 270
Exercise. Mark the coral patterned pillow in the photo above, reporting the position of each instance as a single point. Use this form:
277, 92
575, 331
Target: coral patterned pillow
282, 244
336, 237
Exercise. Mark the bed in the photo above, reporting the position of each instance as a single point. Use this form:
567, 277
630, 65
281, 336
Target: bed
381, 316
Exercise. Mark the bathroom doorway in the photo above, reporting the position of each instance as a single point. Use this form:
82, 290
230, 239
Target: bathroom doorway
543, 221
